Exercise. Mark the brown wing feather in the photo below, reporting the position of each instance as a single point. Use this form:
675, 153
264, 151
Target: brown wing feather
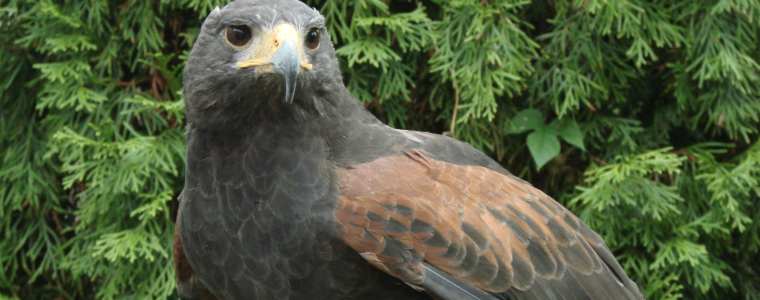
486, 229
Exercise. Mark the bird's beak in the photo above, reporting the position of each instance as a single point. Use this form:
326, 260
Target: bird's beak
278, 52
286, 61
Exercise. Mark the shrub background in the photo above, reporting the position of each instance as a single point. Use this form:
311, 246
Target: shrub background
643, 116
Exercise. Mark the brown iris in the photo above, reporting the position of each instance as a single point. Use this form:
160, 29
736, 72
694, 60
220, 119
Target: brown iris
238, 35
312, 38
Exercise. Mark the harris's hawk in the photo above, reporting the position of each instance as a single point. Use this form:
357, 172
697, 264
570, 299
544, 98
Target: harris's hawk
294, 191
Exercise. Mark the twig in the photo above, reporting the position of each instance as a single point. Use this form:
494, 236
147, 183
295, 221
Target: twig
11, 48
57, 221
130, 83
156, 86
422, 105
684, 153
599, 161
456, 102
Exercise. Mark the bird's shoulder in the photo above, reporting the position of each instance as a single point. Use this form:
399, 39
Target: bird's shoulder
450, 150
370, 140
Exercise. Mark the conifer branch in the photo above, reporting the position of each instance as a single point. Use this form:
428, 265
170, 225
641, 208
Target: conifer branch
456, 103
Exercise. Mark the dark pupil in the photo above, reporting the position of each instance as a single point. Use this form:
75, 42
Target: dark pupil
238, 35
312, 39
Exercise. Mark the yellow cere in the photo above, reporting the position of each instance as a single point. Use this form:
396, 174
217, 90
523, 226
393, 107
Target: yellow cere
263, 62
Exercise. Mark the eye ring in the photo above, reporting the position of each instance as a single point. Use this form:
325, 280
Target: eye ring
238, 35
312, 39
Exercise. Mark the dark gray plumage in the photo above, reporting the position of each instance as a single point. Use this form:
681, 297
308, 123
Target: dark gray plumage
277, 204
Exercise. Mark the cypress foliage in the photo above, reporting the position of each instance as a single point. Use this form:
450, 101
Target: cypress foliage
641, 116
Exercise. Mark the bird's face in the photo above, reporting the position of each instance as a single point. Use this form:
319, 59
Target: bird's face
256, 49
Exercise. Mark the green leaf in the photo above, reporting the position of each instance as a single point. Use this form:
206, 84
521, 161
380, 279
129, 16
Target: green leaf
528, 119
543, 145
569, 131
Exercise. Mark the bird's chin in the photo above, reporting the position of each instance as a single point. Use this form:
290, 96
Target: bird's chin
272, 87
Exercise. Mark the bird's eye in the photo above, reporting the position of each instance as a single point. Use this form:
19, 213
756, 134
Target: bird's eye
312, 39
238, 35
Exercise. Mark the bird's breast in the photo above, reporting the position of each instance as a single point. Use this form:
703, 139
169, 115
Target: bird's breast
257, 214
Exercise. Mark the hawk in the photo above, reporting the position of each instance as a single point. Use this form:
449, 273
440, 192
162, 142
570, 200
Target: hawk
293, 190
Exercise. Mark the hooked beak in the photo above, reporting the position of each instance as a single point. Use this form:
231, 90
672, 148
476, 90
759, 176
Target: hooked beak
278, 53
286, 62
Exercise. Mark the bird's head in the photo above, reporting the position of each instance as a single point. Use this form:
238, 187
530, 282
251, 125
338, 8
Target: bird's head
257, 55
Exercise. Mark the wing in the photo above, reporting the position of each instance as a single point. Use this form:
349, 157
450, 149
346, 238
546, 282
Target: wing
189, 286
469, 232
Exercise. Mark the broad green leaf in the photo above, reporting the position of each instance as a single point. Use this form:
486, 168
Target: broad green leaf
569, 131
543, 145
528, 119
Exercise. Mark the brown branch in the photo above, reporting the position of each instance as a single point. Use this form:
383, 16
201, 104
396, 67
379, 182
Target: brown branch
422, 105
156, 86
684, 153
130, 83
58, 225
11, 48
599, 160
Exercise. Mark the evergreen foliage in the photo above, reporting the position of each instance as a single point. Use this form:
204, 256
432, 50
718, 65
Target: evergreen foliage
641, 115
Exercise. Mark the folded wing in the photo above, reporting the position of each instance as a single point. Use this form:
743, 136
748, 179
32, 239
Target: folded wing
464, 232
